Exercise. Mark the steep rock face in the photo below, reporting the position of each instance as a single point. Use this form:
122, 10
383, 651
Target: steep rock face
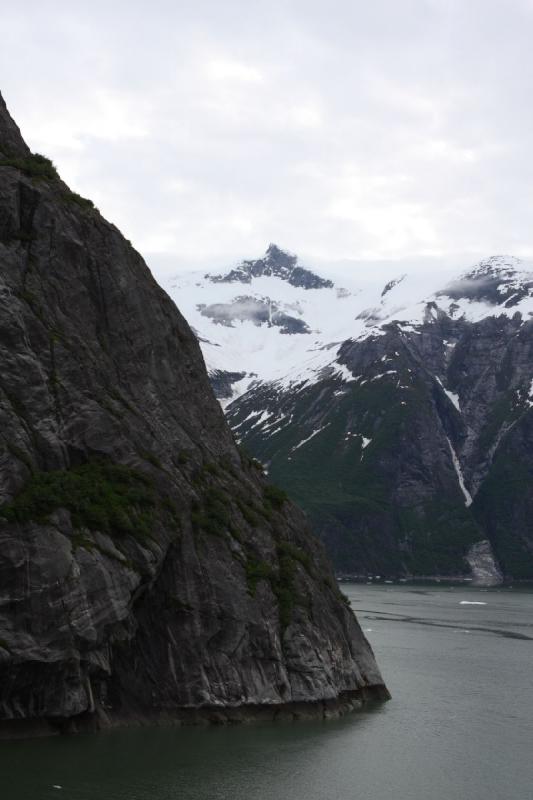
146, 567
419, 456
422, 454
372, 460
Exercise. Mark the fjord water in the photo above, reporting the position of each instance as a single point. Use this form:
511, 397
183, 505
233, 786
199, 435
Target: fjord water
458, 662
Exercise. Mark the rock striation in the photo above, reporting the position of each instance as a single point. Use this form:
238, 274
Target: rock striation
147, 569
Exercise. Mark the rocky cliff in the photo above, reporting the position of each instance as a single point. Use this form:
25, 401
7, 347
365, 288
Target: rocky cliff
147, 569
399, 417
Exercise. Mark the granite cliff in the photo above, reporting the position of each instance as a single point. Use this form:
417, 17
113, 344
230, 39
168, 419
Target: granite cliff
147, 569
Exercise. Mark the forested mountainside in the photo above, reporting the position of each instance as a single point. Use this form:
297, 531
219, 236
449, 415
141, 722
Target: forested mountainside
148, 570
398, 415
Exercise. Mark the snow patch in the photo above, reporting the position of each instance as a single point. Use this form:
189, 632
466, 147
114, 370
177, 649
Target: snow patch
344, 372
452, 396
364, 444
382, 374
304, 441
460, 478
250, 416
529, 400
262, 418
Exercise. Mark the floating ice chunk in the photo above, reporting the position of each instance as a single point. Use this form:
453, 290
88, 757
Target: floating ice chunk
472, 603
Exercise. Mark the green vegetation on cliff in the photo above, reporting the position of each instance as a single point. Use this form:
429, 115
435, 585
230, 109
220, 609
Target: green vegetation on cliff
100, 496
34, 165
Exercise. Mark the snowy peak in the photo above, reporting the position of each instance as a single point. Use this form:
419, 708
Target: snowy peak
500, 285
272, 320
503, 267
498, 281
275, 263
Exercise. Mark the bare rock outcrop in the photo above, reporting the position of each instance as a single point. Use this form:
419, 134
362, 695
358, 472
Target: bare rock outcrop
147, 569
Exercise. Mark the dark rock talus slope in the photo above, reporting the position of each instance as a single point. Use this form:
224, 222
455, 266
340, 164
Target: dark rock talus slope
147, 570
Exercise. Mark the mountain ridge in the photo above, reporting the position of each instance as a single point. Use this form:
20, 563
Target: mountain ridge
386, 358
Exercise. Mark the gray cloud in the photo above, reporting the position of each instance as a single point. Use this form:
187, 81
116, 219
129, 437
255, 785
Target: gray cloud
344, 131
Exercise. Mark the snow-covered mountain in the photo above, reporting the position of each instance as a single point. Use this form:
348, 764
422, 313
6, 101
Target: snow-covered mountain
271, 320
384, 408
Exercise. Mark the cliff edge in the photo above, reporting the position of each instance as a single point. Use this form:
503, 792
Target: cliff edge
147, 569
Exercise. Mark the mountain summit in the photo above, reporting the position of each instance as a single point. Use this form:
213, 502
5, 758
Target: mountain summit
275, 263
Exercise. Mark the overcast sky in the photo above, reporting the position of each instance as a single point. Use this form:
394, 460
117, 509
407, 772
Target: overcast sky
346, 130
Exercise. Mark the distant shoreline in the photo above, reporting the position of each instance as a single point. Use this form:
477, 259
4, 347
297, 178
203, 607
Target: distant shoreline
450, 580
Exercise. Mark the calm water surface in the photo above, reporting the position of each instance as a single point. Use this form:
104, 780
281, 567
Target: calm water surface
460, 725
